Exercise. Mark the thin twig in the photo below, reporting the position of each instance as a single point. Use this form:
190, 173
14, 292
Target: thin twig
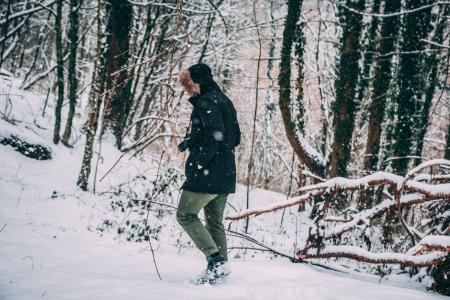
146, 222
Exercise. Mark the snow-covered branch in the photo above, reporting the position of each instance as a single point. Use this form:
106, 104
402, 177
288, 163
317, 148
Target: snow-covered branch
421, 192
271, 208
34, 9
360, 254
431, 243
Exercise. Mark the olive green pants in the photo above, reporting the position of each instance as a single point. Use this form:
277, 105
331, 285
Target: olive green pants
210, 238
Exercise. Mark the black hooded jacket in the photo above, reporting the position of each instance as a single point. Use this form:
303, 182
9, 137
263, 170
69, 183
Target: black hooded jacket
214, 133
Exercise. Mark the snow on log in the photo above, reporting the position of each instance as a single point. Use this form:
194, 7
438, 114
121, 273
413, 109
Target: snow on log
312, 153
368, 214
428, 164
337, 219
376, 178
423, 192
430, 190
432, 243
363, 255
429, 177
442, 241
379, 178
273, 207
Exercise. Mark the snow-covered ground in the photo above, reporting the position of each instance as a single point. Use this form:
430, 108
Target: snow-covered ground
50, 248
47, 252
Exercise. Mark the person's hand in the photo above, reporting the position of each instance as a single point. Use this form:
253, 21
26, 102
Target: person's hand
184, 145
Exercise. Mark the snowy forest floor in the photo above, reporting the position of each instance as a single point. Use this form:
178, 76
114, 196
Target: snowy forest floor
50, 247
48, 252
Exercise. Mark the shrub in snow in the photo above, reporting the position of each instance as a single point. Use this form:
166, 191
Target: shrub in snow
134, 208
35, 151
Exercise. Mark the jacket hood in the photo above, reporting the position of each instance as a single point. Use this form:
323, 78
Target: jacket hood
199, 75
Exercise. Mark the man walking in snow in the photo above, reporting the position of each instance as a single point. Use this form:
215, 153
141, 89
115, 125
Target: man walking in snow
210, 168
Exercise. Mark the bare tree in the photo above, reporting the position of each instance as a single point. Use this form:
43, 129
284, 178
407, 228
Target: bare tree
381, 85
59, 70
72, 70
95, 97
435, 69
311, 158
344, 108
411, 81
118, 85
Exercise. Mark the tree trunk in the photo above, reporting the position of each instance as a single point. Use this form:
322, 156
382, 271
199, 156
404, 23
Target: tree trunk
371, 39
284, 81
5, 31
117, 103
433, 62
95, 97
269, 109
411, 82
447, 145
345, 106
59, 70
73, 81
381, 84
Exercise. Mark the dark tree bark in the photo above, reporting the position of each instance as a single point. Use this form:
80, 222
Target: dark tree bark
345, 106
59, 70
95, 98
434, 62
371, 39
298, 105
382, 81
4, 31
72, 70
412, 82
447, 145
284, 82
117, 103
324, 111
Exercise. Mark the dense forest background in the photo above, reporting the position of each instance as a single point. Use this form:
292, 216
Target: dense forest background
323, 89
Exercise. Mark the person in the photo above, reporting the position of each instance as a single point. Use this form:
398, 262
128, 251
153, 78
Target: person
210, 168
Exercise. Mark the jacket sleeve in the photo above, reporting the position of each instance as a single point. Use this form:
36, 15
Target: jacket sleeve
213, 131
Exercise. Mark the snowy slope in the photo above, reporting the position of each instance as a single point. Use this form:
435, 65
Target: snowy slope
50, 248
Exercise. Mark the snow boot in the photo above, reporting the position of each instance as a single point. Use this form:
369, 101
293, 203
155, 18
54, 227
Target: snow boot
216, 271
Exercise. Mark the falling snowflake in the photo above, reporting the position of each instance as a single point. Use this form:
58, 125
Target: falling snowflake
218, 135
